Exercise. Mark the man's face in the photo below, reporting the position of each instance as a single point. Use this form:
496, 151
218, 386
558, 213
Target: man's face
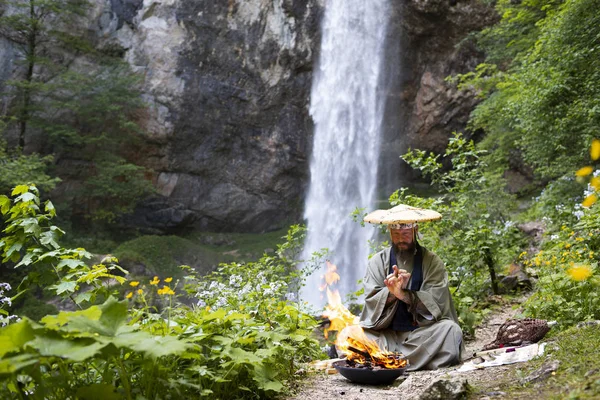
403, 239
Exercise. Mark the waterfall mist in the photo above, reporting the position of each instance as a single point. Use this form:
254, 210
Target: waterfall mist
347, 110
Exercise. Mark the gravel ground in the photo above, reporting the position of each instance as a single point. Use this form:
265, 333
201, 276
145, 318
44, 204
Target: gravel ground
410, 386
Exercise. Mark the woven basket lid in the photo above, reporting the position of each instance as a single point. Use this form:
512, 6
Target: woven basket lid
402, 214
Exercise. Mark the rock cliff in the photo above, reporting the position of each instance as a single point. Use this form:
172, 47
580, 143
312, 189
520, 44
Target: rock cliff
228, 85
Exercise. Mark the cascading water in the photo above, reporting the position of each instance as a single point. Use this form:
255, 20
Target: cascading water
347, 109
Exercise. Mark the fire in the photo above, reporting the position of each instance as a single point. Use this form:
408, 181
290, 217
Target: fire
362, 350
351, 339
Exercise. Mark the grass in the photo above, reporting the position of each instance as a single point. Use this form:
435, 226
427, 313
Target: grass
162, 255
577, 377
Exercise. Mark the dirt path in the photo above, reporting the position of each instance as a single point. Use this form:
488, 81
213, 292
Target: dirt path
335, 386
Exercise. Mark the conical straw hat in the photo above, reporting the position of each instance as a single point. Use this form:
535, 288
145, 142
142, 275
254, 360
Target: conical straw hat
401, 214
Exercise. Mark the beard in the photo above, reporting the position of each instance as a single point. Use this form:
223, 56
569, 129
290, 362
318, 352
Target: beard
403, 246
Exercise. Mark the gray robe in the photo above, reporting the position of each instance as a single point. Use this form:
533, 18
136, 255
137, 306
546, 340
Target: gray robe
437, 342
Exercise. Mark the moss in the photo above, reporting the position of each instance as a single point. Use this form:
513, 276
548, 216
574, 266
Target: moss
162, 255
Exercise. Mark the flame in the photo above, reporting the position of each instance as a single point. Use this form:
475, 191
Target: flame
351, 338
360, 349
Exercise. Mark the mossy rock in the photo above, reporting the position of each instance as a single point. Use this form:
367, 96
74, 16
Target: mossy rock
162, 255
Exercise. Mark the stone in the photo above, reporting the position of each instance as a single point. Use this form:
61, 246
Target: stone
545, 371
446, 389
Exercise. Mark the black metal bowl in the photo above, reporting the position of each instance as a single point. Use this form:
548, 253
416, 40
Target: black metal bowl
368, 376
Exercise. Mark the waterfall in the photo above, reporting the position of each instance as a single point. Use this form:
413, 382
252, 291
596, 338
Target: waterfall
347, 110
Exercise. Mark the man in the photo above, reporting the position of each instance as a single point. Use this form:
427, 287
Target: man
408, 307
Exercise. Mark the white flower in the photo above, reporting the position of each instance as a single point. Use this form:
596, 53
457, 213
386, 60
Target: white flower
235, 280
290, 296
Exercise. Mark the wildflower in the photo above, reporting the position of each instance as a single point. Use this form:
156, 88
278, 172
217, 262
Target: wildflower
585, 171
595, 183
595, 149
133, 283
166, 290
579, 239
168, 280
580, 272
129, 295
140, 291
567, 245
155, 281
589, 201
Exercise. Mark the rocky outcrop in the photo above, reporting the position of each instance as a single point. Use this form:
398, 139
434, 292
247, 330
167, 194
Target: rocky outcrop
228, 83
428, 41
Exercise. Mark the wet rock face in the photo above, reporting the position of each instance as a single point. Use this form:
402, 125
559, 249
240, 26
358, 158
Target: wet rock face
427, 43
237, 154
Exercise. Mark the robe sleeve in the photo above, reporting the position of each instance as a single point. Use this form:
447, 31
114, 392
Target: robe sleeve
376, 313
434, 292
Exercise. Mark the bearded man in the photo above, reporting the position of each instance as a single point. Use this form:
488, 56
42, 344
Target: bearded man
408, 307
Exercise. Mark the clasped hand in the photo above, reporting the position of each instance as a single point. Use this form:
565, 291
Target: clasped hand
397, 282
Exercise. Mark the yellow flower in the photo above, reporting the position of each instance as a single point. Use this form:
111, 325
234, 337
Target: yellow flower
580, 272
585, 171
129, 295
155, 281
168, 280
207, 308
589, 201
595, 149
140, 291
133, 283
166, 290
567, 245
579, 239
595, 182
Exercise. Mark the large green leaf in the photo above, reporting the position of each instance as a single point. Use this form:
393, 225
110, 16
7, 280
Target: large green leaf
73, 349
65, 286
152, 346
243, 356
112, 320
70, 263
264, 376
14, 336
57, 321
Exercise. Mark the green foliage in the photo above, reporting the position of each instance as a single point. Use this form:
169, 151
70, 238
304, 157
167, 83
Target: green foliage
540, 83
476, 234
558, 203
18, 168
249, 344
91, 116
30, 240
567, 270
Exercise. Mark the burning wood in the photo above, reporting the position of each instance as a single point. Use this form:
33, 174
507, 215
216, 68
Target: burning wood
351, 340
359, 349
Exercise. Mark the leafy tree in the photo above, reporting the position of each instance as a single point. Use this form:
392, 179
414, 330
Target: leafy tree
541, 84
89, 114
32, 26
18, 167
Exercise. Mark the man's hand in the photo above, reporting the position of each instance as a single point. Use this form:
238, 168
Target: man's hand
397, 282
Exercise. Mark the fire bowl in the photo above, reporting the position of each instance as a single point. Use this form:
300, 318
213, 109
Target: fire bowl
368, 376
